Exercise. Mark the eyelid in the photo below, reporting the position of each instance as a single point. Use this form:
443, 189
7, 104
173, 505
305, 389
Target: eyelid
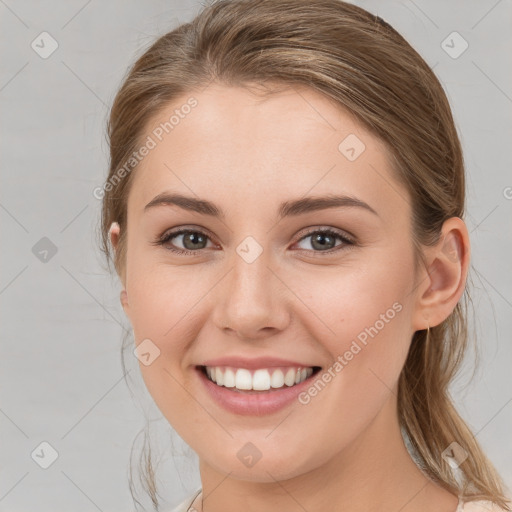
178, 230
349, 237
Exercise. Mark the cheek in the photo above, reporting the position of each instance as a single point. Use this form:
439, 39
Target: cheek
161, 306
363, 320
162, 299
361, 299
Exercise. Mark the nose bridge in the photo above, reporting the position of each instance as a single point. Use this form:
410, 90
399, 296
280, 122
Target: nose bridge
249, 301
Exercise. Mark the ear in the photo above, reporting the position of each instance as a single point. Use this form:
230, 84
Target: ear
114, 232
442, 282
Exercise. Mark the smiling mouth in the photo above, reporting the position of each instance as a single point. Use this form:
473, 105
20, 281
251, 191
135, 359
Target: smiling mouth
260, 380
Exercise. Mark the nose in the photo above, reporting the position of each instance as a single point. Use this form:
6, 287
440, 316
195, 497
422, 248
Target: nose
251, 300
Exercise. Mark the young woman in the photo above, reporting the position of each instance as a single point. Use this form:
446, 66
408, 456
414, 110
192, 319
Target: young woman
285, 204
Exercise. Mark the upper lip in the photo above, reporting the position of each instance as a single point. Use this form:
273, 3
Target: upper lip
254, 362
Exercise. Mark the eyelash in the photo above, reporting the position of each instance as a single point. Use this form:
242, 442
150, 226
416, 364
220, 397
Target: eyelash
162, 240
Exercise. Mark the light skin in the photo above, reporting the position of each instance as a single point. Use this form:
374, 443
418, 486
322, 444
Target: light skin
343, 450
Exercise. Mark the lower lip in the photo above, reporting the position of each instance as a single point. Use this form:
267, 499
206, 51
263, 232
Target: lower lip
253, 404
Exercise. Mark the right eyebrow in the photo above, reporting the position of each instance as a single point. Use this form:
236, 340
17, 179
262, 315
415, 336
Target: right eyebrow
310, 204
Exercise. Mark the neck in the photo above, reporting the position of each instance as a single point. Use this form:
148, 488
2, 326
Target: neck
374, 473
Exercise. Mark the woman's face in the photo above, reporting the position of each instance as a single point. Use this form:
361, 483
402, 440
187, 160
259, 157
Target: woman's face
260, 279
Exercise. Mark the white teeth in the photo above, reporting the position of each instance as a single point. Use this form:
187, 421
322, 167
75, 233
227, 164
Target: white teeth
277, 380
289, 378
261, 380
229, 378
258, 380
243, 379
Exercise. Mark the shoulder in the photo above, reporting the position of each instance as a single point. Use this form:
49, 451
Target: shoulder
480, 506
185, 504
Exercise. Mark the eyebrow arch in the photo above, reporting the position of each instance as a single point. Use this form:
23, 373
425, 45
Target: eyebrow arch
286, 209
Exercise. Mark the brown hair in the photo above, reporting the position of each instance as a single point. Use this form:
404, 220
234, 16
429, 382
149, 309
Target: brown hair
362, 64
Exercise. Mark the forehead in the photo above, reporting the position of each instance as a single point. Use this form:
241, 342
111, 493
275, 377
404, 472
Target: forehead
250, 151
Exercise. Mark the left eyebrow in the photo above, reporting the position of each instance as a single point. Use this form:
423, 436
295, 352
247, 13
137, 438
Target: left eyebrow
286, 209
311, 204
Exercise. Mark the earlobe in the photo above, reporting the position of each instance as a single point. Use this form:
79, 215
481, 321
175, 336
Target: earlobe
445, 276
113, 234
124, 301
114, 237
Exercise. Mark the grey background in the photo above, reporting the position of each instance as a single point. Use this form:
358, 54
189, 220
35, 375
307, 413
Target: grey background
60, 375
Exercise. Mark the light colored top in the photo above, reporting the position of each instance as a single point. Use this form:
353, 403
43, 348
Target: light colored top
468, 506
185, 504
